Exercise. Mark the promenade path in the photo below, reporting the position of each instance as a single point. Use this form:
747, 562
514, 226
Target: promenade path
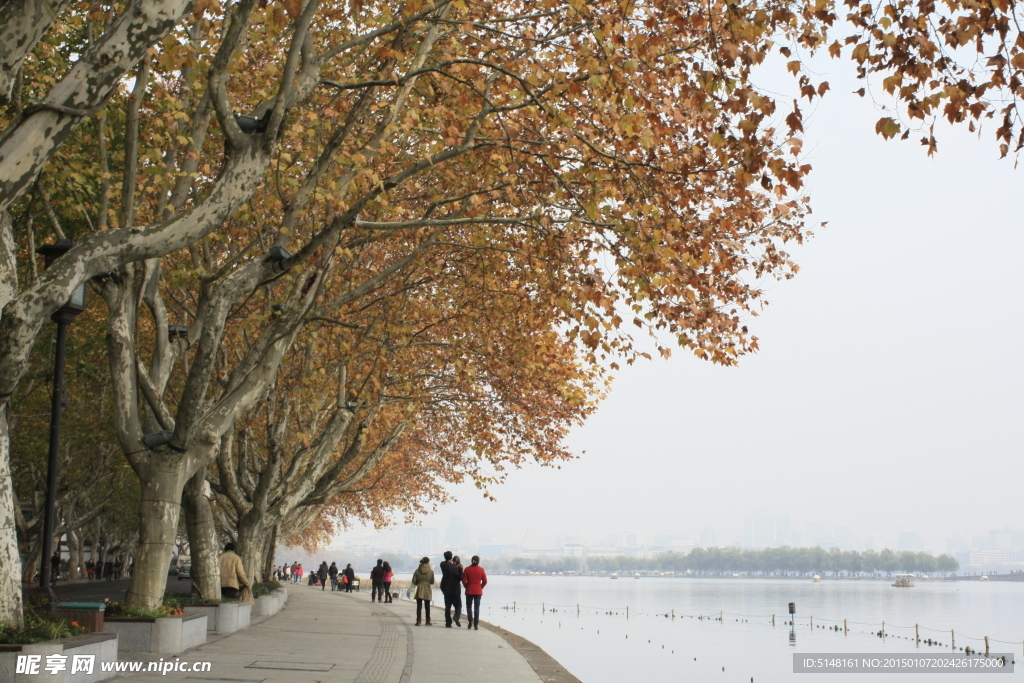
325, 637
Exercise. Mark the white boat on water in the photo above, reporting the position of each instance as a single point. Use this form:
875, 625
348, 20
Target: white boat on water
615, 575
816, 579
636, 576
903, 581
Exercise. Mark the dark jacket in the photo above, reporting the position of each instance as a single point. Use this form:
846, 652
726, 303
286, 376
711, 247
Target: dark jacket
451, 578
350, 573
377, 574
323, 571
333, 571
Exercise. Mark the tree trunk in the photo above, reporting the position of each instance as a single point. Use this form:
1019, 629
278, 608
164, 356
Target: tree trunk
35, 549
75, 556
269, 554
159, 507
202, 537
252, 536
10, 559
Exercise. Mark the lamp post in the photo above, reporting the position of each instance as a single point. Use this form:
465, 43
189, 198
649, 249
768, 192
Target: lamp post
63, 316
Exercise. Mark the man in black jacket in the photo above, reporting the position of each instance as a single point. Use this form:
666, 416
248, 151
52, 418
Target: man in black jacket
451, 588
333, 573
377, 582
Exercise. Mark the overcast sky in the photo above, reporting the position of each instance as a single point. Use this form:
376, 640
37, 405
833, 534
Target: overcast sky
887, 393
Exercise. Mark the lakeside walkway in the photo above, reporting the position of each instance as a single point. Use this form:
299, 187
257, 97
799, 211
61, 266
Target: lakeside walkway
333, 637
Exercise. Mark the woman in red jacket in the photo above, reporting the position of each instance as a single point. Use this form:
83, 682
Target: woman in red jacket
474, 578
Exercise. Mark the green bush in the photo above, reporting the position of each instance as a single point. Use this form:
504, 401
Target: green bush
265, 588
178, 600
39, 627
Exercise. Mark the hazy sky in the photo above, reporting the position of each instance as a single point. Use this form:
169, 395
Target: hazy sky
887, 395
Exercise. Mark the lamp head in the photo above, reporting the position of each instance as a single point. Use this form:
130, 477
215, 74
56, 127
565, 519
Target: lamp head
51, 252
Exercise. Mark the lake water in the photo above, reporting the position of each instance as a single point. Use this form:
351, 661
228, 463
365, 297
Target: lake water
600, 645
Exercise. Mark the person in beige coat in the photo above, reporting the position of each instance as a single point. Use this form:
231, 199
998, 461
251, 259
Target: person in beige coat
232, 576
423, 582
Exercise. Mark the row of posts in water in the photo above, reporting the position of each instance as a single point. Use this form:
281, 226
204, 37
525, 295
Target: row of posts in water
721, 615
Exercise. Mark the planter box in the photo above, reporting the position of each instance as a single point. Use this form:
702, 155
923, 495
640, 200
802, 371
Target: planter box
89, 615
268, 605
103, 647
165, 636
225, 617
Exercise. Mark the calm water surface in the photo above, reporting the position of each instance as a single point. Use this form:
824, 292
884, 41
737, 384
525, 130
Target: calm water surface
600, 645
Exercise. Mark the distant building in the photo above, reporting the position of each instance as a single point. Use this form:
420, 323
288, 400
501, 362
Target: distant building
708, 538
957, 544
456, 536
422, 541
912, 541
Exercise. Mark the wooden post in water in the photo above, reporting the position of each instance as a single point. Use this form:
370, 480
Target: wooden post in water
543, 609
673, 614
513, 606
883, 628
721, 613
844, 627
577, 609
773, 620
986, 646
812, 622
627, 611
917, 635
952, 638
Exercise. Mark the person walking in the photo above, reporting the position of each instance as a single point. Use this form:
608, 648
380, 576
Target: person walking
333, 573
293, 572
323, 572
90, 569
451, 589
55, 567
388, 576
423, 582
377, 582
350, 577
232, 575
474, 578
299, 572
108, 570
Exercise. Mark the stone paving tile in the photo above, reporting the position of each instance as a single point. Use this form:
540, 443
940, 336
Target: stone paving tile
323, 637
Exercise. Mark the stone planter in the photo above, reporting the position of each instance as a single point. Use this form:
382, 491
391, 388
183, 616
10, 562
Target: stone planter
166, 635
268, 605
225, 617
102, 646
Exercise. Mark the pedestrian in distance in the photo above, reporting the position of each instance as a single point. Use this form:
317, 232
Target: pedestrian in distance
90, 569
232, 575
333, 573
423, 583
299, 572
323, 573
451, 589
118, 568
294, 572
474, 578
388, 576
55, 567
377, 582
350, 577
108, 570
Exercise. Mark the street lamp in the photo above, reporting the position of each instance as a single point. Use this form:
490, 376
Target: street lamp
63, 316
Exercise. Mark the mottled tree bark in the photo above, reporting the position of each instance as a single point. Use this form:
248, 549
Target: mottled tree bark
202, 537
10, 561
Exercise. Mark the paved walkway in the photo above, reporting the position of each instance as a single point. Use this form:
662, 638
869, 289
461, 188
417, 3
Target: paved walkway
325, 637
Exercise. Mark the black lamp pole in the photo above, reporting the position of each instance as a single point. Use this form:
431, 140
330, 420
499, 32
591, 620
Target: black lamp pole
63, 317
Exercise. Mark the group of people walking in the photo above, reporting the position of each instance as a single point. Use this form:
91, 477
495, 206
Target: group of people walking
454, 579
